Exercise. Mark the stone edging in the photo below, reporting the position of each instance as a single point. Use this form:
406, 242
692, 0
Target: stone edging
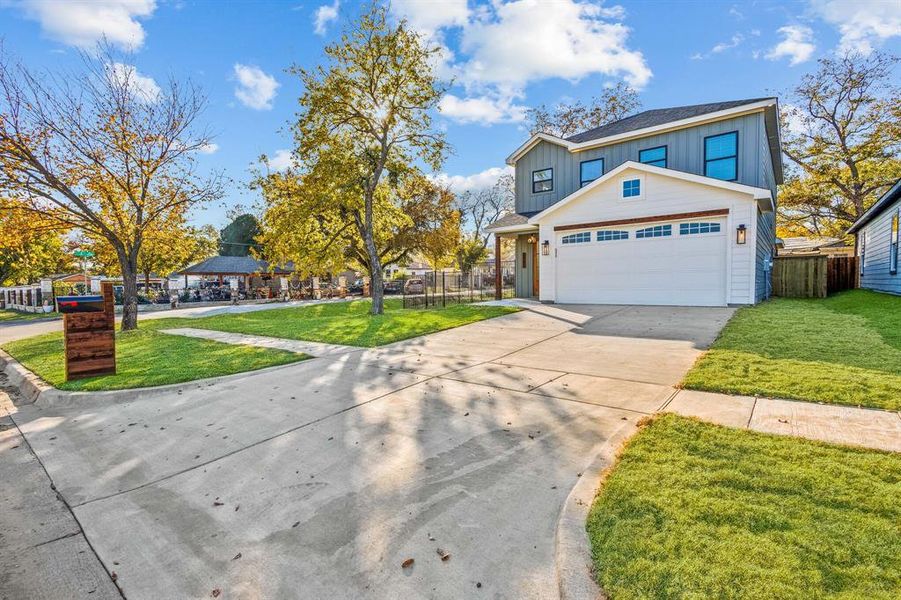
572, 554
37, 391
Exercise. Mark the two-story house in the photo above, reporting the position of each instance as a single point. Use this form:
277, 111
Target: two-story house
670, 206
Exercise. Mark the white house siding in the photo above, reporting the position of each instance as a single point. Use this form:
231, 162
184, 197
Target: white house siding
662, 196
876, 275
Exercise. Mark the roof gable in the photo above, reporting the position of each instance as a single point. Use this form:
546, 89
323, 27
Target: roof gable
887, 199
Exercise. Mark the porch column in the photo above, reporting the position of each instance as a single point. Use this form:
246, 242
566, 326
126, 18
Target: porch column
498, 280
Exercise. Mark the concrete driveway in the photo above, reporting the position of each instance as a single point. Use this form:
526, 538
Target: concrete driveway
319, 479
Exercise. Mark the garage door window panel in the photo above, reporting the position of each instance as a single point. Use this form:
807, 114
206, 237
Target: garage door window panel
654, 232
576, 238
698, 228
610, 235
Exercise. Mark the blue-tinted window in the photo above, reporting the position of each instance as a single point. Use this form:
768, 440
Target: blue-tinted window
590, 170
653, 156
607, 235
577, 238
542, 181
721, 156
693, 228
655, 231
631, 188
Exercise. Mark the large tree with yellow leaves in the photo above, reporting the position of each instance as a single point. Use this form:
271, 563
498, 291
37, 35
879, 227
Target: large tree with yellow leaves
102, 151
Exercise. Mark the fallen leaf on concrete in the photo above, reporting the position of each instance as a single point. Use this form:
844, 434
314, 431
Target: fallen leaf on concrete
237, 556
113, 576
215, 593
295, 525
218, 503
783, 420
237, 506
407, 563
443, 554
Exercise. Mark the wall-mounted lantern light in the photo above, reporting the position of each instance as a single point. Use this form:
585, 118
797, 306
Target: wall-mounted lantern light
531, 239
741, 234
545, 248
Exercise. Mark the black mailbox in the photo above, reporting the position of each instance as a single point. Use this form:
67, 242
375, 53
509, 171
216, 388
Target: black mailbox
79, 304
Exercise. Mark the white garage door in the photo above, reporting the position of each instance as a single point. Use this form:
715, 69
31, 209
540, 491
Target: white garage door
681, 263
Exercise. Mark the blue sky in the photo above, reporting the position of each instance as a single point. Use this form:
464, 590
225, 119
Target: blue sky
505, 56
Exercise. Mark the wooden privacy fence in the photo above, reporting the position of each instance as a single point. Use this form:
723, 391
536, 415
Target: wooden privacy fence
813, 276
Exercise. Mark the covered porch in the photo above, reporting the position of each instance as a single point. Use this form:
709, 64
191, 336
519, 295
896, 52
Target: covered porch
526, 248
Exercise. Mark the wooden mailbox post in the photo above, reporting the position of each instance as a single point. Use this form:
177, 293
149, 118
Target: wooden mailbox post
89, 327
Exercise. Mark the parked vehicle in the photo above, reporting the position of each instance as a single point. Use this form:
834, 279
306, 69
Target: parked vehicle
414, 286
394, 286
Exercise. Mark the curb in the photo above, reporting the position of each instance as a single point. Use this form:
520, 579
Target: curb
35, 390
572, 553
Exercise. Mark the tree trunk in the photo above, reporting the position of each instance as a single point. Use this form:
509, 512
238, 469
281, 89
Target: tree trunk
129, 292
376, 284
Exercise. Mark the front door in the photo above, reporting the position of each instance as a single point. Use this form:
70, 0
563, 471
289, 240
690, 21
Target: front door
534, 269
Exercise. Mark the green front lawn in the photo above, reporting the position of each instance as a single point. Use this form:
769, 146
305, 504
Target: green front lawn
694, 510
347, 323
845, 349
147, 358
14, 315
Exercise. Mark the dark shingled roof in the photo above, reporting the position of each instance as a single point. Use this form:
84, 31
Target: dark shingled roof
508, 220
658, 116
234, 265
874, 211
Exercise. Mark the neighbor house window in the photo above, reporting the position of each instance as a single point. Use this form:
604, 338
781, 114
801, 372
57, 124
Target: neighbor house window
864, 242
577, 238
631, 188
653, 156
693, 228
608, 235
893, 246
721, 156
542, 181
589, 170
655, 231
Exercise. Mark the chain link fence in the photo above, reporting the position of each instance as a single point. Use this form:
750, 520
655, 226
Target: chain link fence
448, 288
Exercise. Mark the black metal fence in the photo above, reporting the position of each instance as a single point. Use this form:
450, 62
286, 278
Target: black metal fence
447, 288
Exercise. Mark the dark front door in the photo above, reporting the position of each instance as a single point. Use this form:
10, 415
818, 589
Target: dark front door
535, 269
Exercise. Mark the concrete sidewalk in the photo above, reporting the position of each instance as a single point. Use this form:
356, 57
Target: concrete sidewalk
865, 427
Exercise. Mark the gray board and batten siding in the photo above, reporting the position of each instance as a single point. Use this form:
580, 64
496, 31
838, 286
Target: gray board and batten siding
685, 152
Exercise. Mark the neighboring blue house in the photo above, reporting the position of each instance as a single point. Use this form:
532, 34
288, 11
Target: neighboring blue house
672, 206
876, 233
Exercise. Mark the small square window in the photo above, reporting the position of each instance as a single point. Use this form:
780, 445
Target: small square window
631, 188
542, 181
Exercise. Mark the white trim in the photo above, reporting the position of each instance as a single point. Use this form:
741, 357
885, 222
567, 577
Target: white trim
610, 139
524, 228
754, 192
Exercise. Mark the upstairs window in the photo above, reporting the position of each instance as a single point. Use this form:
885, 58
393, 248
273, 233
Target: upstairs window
589, 170
609, 235
542, 181
653, 156
577, 238
893, 246
655, 231
695, 228
721, 156
631, 188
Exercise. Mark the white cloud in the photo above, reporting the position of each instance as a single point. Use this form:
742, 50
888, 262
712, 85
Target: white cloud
482, 109
527, 40
735, 41
478, 181
255, 89
145, 88
505, 46
863, 24
210, 148
797, 44
324, 15
280, 160
83, 23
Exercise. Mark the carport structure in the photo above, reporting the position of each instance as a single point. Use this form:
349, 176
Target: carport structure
243, 267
